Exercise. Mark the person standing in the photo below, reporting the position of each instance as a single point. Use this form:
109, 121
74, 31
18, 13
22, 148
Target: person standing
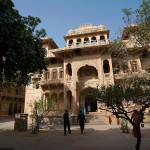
81, 119
66, 118
136, 118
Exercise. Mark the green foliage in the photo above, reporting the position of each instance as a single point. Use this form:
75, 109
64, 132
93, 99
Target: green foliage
43, 106
21, 49
134, 88
91, 92
141, 18
138, 27
119, 50
124, 126
40, 108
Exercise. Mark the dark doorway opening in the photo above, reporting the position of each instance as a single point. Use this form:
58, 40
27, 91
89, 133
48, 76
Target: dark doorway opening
90, 104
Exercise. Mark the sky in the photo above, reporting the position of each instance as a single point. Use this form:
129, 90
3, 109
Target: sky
59, 16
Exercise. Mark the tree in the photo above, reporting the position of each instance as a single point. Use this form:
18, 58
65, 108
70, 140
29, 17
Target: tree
117, 98
40, 108
138, 23
21, 49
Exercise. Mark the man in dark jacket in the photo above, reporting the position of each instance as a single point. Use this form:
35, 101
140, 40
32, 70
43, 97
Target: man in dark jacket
66, 118
81, 119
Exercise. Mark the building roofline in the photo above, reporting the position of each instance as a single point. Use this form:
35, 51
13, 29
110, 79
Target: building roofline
50, 41
91, 33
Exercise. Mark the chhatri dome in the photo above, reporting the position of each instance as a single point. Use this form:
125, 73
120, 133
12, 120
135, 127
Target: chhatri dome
87, 29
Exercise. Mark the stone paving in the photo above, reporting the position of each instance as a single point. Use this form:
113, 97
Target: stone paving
95, 137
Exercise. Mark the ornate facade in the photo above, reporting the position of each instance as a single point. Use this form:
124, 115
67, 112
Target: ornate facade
84, 62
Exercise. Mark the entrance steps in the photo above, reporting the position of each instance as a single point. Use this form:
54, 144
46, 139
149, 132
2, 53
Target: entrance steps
97, 118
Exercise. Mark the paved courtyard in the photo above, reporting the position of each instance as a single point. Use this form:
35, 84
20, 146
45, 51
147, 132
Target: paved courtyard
95, 137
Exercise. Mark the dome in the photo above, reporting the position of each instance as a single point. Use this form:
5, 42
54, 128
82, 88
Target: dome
86, 29
102, 27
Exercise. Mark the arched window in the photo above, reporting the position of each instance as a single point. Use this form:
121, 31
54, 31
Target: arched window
47, 75
69, 69
106, 67
78, 41
102, 38
70, 42
93, 39
54, 74
86, 40
61, 73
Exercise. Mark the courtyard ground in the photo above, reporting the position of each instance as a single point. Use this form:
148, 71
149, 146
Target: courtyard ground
95, 137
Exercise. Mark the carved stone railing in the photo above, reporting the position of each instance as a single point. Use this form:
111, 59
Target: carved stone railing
54, 81
82, 44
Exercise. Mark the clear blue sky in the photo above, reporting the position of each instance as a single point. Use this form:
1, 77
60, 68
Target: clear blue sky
59, 16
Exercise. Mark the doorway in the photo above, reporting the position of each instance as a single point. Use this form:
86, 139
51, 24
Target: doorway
90, 104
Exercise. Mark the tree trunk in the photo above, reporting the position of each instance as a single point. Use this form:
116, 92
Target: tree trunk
138, 136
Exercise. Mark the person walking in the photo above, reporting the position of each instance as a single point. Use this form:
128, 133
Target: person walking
66, 118
81, 119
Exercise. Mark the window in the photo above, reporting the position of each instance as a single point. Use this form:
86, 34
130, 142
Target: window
93, 39
78, 41
47, 75
134, 67
54, 74
69, 69
86, 40
124, 68
70, 42
61, 73
106, 67
102, 38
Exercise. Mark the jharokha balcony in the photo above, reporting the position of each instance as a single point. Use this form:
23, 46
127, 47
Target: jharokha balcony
52, 81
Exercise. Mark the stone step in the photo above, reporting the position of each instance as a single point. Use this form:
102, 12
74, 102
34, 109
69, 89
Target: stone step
96, 118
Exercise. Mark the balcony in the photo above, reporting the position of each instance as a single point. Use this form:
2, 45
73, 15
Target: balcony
86, 44
53, 81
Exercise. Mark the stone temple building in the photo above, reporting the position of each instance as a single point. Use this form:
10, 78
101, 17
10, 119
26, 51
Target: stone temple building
82, 63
